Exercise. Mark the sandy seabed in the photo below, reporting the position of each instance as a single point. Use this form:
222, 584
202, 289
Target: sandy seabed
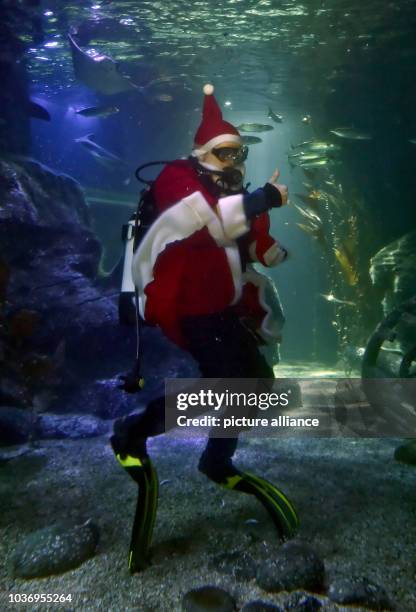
356, 504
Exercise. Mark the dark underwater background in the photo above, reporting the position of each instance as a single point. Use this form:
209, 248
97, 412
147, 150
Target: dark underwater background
350, 229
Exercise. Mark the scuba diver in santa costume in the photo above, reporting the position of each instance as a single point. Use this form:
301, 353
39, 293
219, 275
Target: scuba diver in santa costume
194, 279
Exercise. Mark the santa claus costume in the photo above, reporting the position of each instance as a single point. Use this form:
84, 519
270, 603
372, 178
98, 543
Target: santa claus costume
195, 280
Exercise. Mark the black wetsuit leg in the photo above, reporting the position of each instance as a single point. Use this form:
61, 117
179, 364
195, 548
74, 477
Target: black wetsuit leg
223, 348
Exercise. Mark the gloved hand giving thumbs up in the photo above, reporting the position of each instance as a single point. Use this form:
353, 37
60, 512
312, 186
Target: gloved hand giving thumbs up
271, 195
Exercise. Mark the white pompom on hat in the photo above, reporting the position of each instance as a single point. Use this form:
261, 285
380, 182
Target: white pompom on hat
208, 89
213, 130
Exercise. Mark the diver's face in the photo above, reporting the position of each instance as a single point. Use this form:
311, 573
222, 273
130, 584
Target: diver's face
226, 155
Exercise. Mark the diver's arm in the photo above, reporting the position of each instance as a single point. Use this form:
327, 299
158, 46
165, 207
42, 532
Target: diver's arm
237, 211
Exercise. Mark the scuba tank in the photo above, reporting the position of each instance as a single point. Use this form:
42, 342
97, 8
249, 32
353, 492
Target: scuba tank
132, 234
126, 308
128, 302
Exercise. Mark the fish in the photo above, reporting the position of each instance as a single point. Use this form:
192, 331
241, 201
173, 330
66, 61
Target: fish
250, 140
164, 97
317, 145
274, 117
301, 144
412, 140
101, 154
307, 119
349, 133
310, 173
319, 162
97, 196
309, 214
36, 111
254, 127
304, 156
98, 111
308, 201
330, 297
99, 72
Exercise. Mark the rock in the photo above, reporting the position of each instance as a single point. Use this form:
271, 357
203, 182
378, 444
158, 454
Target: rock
296, 566
238, 564
16, 425
260, 606
208, 599
54, 550
406, 453
302, 602
70, 426
48, 242
13, 453
393, 271
359, 591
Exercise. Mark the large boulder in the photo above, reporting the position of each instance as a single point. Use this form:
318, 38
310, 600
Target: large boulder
48, 244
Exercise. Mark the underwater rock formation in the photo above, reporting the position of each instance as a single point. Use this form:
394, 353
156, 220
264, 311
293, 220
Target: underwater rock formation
393, 271
47, 243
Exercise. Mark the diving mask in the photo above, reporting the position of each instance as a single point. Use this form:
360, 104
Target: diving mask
237, 155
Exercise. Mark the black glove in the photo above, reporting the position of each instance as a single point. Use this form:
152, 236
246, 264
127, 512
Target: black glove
261, 200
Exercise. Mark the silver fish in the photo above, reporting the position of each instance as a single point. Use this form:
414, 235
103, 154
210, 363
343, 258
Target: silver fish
350, 134
101, 154
100, 73
37, 111
98, 111
317, 145
254, 127
276, 118
317, 163
330, 297
305, 156
250, 140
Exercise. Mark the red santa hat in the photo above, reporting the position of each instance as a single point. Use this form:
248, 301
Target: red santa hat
213, 130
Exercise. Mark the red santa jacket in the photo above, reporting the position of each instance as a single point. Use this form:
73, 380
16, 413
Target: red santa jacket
189, 262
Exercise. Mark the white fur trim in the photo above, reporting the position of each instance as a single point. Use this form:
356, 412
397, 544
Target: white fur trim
234, 261
211, 144
274, 255
232, 215
271, 327
177, 223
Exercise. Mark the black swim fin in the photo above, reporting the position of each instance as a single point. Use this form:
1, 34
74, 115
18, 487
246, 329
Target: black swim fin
276, 503
144, 474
